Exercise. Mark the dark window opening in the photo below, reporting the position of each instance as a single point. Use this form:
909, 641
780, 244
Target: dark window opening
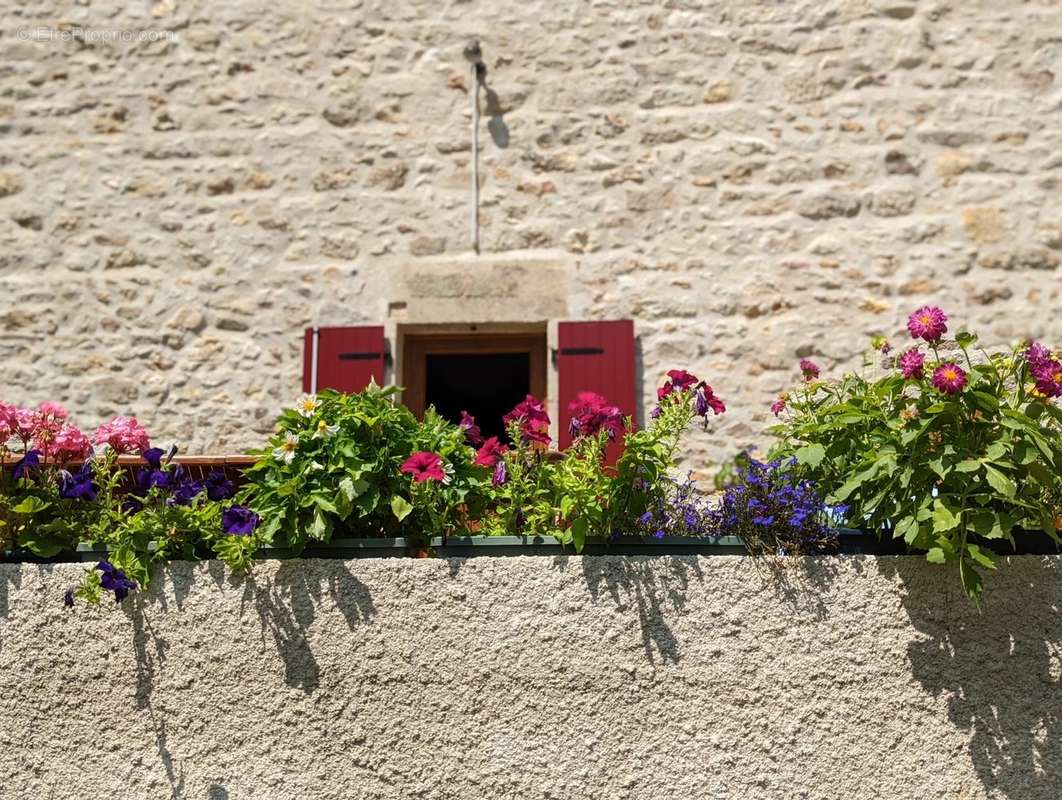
486, 385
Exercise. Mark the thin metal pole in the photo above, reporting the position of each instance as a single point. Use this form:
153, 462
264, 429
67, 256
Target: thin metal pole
475, 158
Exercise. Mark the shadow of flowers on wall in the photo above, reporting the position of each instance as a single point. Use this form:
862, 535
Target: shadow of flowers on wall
999, 670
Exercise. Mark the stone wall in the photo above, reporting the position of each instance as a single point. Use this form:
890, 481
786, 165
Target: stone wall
751, 180
533, 677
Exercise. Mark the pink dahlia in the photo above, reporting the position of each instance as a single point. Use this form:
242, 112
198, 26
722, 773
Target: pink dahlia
809, 369
490, 452
424, 466
123, 435
1048, 377
912, 364
778, 406
592, 413
929, 323
949, 378
533, 420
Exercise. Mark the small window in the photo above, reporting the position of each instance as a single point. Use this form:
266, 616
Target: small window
485, 374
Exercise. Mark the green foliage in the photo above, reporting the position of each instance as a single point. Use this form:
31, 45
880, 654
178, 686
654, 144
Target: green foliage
333, 469
944, 472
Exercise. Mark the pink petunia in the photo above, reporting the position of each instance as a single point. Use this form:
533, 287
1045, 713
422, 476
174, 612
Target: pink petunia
123, 435
592, 413
929, 323
424, 466
704, 399
949, 378
681, 379
473, 435
490, 452
531, 415
912, 364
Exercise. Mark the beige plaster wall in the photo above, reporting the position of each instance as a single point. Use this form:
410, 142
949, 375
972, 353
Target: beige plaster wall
536, 677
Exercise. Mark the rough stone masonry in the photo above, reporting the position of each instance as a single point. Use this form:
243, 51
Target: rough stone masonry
752, 181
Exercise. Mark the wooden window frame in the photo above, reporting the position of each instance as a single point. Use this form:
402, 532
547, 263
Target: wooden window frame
416, 347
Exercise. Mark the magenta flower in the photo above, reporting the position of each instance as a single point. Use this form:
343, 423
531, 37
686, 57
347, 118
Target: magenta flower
123, 435
949, 378
912, 364
69, 444
592, 413
809, 369
681, 379
533, 420
778, 406
1045, 371
1036, 355
501, 475
424, 466
473, 435
929, 323
490, 452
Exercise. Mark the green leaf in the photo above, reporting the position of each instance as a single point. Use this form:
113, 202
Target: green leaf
969, 465
566, 504
972, 583
965, 338
996, 451
321, 527
936, 556
1000, 482
907, 528
811, 454
944, 519
983, 557
579, 529
346, 488
44, 547
400, 507
31, 505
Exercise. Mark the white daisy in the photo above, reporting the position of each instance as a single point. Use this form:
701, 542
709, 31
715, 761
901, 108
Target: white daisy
308, 405
325, 431
286, 451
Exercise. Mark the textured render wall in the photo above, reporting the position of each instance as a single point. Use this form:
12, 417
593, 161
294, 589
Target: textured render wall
597, 677
751, 181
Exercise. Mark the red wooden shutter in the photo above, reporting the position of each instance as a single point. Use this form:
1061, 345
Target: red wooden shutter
347, 358
595, 357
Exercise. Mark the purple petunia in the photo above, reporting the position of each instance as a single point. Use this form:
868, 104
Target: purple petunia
30, 461
79, 485
501, 475
114, 580
239, 521
217, 486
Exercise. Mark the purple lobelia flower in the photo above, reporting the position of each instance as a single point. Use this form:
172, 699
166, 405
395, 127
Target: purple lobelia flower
239, 521
114, 580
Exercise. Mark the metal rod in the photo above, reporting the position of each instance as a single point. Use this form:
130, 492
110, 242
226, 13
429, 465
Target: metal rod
475, 158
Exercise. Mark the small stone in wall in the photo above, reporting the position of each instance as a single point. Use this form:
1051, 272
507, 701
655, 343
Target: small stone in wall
390, 177
122, 259
719, 92
217, 186
953, 163
330, 181
162, 121
9, 184
899, 163
258, 181
188, 319
982, 225
826, 206
892, 203
427, 246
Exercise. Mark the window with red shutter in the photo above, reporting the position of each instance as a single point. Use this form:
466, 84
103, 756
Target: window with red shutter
595, 357
344, 359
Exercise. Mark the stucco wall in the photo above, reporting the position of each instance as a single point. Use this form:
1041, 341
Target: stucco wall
597, 677
750, 180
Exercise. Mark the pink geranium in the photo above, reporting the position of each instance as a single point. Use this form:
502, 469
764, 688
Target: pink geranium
123, 435
69, 444
424, 466
53, 410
